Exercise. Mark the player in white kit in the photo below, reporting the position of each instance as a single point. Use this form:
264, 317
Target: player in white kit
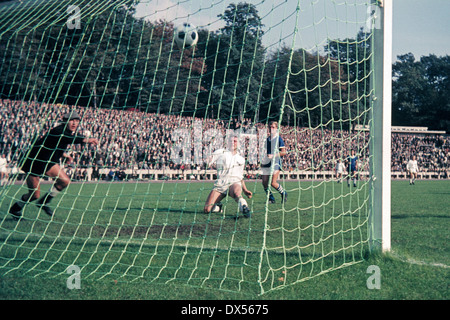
3, 169
230, 179
412, 167
340, 168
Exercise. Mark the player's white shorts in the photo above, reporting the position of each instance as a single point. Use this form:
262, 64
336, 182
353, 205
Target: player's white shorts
267, 171
222, 186
412, 171
3, 170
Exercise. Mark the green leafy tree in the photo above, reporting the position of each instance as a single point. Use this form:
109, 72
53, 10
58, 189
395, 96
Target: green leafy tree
234, 58
421, 91
353, 56
312, 87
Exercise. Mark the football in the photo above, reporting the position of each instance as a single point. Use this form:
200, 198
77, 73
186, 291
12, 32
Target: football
185, 35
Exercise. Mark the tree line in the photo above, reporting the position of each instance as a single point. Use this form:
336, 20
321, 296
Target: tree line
421, 91
115, 60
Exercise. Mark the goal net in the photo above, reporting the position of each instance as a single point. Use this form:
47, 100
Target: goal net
158, 107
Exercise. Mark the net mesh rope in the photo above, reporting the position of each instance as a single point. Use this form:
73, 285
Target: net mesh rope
134, 209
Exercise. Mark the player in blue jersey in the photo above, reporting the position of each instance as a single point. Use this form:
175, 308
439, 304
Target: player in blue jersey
271, 163
352, 163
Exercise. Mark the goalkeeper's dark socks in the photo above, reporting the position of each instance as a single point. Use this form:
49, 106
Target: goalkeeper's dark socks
42, 203
47, 198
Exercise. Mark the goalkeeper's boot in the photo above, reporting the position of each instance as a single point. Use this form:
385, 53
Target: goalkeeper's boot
42, 203
16, 211
46, 209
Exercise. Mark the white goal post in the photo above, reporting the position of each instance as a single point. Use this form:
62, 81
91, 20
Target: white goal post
380, 233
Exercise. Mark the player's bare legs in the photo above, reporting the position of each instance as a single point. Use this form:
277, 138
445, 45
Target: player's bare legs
274, 183
62, 180
265, 183
34, 191
412, 177
33, 184
213, 198
235, 192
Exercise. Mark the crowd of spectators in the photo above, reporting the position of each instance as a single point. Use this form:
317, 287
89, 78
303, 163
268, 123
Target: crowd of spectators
431, 150
139, 140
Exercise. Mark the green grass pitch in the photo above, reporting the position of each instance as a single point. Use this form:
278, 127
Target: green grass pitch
152, 241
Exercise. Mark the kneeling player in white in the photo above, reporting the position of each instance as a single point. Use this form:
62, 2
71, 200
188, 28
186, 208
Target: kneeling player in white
230, 179
412, 169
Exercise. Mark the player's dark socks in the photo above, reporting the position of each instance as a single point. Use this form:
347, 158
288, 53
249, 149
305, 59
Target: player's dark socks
283, 193
46, 199
271, 197
280, 189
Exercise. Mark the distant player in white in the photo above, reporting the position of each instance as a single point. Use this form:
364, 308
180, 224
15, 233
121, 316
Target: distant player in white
230, 179
412, 168
3, 169
339, 170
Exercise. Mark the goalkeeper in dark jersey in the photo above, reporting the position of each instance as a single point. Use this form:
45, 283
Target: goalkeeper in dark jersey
43, 160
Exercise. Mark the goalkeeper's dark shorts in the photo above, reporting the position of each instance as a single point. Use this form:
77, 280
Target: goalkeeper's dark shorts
36, 167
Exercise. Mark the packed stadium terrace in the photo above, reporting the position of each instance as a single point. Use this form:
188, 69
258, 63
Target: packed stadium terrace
139, 140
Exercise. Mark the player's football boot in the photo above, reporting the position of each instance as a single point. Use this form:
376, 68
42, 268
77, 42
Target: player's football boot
46, 209
246, 211
284, 196
43, 204
16, 211
271, 198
